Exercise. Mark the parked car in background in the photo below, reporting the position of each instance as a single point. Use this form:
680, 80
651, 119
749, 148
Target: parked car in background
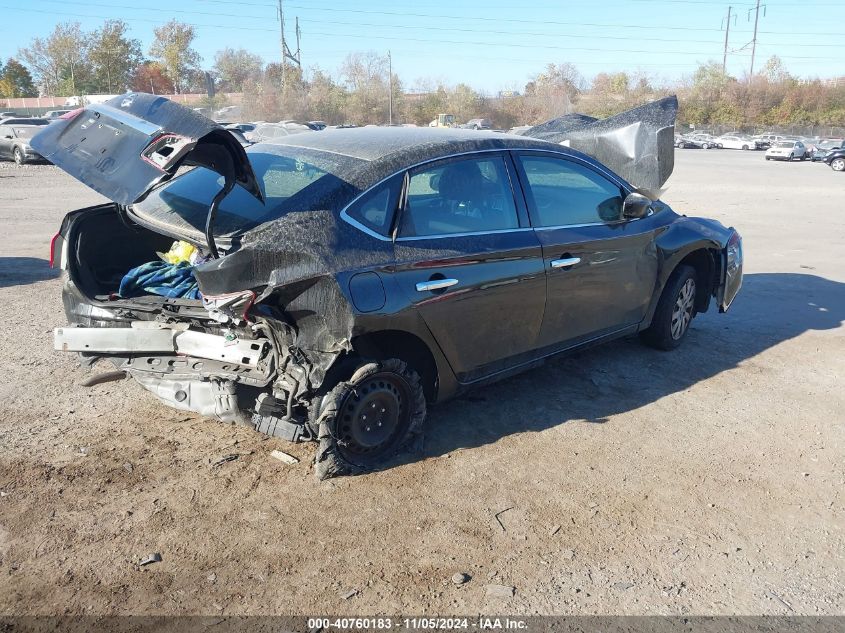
229, 113
7, 115
686, 142
479, 124
268, 132
14, 143
358, 275
787, 150
824, 148
736, 142
54, 114
24, 121
317, 125
243, 127
519, 130
708, 141
836, 159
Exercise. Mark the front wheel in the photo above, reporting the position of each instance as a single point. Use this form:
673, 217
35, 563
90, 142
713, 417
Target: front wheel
19, 157
791, 158
675, 310
838, 164
366, 420
745, 147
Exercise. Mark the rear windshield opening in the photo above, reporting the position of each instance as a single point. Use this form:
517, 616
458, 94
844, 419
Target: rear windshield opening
291, 178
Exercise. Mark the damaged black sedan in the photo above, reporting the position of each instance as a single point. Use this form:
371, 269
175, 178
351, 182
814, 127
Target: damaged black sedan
330, 286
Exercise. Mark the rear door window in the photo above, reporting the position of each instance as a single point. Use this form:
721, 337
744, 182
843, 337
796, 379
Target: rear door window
463, 196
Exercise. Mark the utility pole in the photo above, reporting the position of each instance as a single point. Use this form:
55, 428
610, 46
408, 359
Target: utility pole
286, 54
727, 31
754, 41
283, 44
390, 83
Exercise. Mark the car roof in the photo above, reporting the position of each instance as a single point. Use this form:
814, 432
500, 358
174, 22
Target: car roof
422, 143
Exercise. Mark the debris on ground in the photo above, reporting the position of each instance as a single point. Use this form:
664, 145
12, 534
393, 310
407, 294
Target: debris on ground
622, 586
568, 554
350, 594
499, 521
284, 457
460, 578
128, 467
555, 529
149, 560
226, 458
503, 592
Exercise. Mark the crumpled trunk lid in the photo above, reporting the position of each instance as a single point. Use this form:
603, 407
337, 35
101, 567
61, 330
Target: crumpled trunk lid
638, 144
126, 146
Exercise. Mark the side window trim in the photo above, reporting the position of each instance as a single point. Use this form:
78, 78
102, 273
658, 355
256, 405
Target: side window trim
529, 196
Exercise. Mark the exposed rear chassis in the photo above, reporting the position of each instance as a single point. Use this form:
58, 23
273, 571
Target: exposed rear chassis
186, 369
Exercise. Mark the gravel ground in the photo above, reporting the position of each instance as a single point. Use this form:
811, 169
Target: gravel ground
704, 481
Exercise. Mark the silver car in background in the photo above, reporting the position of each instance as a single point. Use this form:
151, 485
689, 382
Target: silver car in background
787, 150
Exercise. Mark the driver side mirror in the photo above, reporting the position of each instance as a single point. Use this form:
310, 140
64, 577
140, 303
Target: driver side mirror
636, 206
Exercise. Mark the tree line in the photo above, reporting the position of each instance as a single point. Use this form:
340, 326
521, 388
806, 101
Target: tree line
71, 61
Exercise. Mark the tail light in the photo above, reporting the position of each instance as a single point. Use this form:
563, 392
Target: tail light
55, 250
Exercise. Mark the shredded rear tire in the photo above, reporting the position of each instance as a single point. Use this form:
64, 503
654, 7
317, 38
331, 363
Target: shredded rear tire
339, 453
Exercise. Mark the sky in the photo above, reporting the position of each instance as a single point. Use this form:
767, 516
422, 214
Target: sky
490, 44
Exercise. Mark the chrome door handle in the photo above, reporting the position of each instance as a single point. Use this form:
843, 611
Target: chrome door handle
566, 262
435, 284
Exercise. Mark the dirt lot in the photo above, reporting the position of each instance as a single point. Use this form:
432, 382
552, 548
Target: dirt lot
704, 481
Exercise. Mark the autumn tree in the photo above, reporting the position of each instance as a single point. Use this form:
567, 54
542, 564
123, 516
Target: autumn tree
235, 67
172, 49
149, 77
15, 80
113, 57
367, 79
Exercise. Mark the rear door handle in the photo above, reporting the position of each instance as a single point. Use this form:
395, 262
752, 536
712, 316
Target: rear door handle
566, 262
435, 284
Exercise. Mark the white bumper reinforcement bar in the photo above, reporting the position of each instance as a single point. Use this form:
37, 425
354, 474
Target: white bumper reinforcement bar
143, 339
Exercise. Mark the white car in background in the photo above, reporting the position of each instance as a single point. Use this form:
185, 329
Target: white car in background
787, 150
736, 142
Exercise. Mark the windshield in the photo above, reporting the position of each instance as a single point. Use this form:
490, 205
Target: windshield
785, 144
291, 178
830, 144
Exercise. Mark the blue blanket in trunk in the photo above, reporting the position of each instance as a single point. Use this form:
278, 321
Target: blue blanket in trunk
160, 278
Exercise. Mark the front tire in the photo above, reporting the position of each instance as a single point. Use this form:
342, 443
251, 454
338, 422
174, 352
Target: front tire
838, 164
675, 310
745, 148
364, 421
19, 157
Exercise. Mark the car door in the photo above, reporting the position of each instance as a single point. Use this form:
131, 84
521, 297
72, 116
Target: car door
6, 143
601, 270
470, 264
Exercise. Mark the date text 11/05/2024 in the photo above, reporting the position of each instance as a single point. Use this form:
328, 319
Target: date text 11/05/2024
433, 623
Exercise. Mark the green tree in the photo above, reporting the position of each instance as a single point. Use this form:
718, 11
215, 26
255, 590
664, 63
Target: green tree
60, 61
113, 56
15, 80
234, 68
172, 48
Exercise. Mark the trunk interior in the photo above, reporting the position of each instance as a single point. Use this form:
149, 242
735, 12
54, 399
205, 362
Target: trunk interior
106, 247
